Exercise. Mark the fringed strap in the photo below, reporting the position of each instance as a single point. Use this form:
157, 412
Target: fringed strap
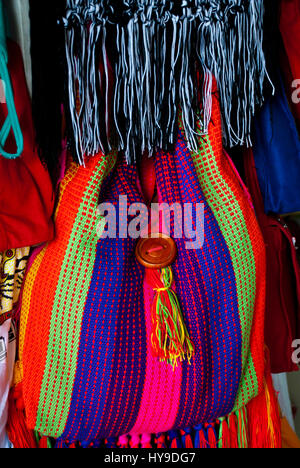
160, 441
212, 437
146, 441
224, 435
45, 443
174, 438
61, 444
187, 439
111, 443
132, 65
200, 437
19, 435
83, 444
96, 444
135, 441
232, 424
242, 428
123, 441
264, 419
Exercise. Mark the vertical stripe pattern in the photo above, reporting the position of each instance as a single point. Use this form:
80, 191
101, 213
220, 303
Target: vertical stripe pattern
85, 348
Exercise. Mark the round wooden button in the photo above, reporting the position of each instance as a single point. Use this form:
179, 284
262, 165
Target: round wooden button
156, 252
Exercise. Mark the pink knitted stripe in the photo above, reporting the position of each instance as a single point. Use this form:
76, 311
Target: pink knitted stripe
161, 396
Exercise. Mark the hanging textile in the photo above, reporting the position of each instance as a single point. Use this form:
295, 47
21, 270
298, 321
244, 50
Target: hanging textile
10, 122
12, 270
7, 360
18, 29
47, 55
87, 374
276, 149
26, 195
154, 57
289, 22
281, 387
282, 318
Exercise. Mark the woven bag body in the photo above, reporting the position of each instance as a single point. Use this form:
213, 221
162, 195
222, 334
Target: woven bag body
85, 341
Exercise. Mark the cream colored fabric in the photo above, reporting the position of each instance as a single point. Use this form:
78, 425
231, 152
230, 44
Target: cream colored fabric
17, 19
7, 360
281, 387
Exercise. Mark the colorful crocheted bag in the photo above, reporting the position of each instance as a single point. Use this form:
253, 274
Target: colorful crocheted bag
87, 371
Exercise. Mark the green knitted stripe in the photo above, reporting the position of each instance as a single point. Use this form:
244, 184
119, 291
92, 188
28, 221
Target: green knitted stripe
224, 205
64, 336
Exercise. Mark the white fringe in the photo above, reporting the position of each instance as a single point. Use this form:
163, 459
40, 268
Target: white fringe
156, 51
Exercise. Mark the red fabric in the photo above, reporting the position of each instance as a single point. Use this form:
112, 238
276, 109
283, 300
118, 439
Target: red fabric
26, 194
290, 63
282, 322
147, 178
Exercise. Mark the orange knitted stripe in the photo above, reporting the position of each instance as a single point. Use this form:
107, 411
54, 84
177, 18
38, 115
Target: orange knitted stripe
39, 319
28, 286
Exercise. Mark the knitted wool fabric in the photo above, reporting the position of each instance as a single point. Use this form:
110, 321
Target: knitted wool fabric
88, 373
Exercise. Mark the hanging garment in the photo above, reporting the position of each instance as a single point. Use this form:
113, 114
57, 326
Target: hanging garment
48, 80
18, 29
281, 388
157, 50
13, 264
7, 360
290, 32
282, 323
87, 366
293, 223
12, 270
276, 149
26, 194
10, 123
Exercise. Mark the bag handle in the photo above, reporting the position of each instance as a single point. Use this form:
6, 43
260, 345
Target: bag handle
12, 121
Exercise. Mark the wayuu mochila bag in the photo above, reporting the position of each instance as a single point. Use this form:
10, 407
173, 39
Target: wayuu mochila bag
91, 370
